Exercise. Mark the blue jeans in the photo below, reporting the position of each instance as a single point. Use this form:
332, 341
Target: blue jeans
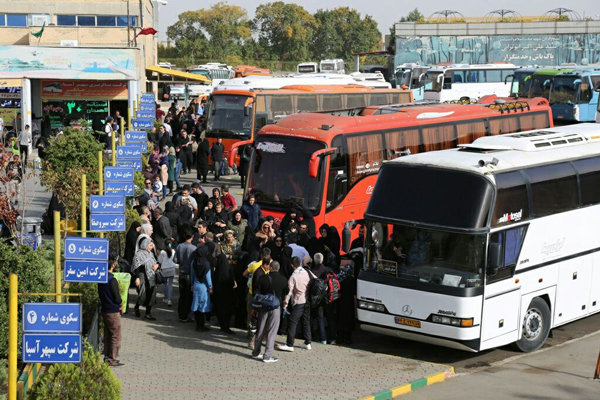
169, 288
178, 167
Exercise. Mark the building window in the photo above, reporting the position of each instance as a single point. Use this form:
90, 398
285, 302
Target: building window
86, 20
122, 20
16, 20
2, 19
106, 20
66, 20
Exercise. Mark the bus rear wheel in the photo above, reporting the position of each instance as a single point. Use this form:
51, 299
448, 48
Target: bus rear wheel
536, 326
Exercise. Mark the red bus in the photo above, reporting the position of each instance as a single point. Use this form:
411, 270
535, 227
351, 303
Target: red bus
235, 115
328, 164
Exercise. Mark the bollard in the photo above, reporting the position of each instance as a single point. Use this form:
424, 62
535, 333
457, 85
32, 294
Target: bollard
13, 330
84, 205
57, 277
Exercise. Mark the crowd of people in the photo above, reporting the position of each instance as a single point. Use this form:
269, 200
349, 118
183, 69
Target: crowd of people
228, 257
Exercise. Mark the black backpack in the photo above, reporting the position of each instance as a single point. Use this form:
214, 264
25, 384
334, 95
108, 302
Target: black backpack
316, 291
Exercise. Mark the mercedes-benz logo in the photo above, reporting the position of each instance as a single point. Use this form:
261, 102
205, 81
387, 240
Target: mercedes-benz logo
407, 310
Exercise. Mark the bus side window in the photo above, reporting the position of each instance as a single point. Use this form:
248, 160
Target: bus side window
403, 142
533, 121
337, 185
511, 241
553, 189
306, 103
469, 131
365, 154
438, 137
504, 124
355, 100
332, 102
589, 180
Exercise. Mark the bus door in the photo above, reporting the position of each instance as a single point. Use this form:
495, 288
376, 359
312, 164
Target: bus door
588, 100
502, 297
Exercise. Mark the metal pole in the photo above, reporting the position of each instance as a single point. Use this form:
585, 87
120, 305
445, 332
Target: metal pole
122, 131
83, 205
101, 178
129, 117
597, 374
13, 329
57, 277
114, 149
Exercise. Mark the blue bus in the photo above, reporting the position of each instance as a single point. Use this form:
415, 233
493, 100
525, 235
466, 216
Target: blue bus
414, 77
574, 95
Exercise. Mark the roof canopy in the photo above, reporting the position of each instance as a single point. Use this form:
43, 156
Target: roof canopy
160, 74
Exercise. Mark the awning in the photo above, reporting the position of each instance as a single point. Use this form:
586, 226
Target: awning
160, 74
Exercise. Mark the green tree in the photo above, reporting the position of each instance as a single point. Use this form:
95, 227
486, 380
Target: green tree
213, 33
413, 16
284, 31
70, 155
341, 31
91, 379
34, 269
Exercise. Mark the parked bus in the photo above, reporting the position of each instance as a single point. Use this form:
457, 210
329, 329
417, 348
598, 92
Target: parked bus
216, 72
307, 68
332, 66
521, 82
374, 80
242, 71
574, 95
458, 81
237, 115
541, 81
327, 164
493, 243
414, 77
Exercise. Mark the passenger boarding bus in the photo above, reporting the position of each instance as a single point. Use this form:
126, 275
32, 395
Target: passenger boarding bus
470, 81
414, 77
493, 243
237, 115
327, 164
574, 95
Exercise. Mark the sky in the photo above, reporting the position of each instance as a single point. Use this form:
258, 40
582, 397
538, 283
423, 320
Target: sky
386, 12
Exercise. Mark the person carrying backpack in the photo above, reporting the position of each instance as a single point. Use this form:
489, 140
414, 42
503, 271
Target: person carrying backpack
326, 288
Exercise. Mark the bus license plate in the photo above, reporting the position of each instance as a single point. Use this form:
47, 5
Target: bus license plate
408, 322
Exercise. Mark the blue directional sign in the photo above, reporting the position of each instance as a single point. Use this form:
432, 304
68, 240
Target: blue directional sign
135, 164
142, 123
136, 136
52, 317
78, 248
51, 348
85, 271
129, 152
118, 174
145, 114
148, 107
110, 204
123, 188
147, 96
107, 222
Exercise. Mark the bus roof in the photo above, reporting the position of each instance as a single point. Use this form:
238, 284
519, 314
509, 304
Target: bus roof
296, 89
271, 82
552, 71
473, 66
495, 154
323, 126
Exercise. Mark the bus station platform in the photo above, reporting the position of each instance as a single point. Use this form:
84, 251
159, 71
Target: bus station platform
167, 359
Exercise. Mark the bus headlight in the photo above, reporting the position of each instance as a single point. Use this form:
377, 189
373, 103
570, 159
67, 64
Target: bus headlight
445, 320
370, 306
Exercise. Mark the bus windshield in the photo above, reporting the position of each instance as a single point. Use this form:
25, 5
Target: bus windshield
430, 256
540, 86
227, 117
521, 83
278, 175
564, 90
435, 81
403, 77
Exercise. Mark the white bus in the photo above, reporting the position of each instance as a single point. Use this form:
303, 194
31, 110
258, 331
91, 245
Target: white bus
272, 82
332, 66
464, 81
493, 243
216, 72
307, 68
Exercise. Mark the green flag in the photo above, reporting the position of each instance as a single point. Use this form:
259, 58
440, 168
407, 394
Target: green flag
39, 33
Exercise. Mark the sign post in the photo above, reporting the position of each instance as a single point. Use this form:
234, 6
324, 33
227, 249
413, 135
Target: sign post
86, 260
13, 330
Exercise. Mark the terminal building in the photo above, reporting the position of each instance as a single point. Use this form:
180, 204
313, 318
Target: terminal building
63, 60
541, 42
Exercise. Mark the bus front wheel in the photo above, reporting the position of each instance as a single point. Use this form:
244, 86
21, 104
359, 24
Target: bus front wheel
536, 326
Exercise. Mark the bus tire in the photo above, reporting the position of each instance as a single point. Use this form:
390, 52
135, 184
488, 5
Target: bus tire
535, 327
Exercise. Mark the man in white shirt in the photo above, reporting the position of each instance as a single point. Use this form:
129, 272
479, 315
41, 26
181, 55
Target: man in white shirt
24, 143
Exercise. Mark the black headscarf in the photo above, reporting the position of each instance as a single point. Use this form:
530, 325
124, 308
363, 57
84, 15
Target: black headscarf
130, 241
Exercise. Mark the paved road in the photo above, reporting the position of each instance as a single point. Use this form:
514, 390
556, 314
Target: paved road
561, 372
169, 359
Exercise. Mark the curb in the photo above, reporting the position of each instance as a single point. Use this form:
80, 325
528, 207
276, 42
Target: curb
412, 386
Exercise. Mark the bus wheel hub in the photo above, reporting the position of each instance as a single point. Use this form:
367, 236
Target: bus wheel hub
532, 326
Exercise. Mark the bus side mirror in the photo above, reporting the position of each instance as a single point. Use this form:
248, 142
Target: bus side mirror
246, 111
506, 79
494, 258
339, 186
315, 160
576, 82
261, 120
